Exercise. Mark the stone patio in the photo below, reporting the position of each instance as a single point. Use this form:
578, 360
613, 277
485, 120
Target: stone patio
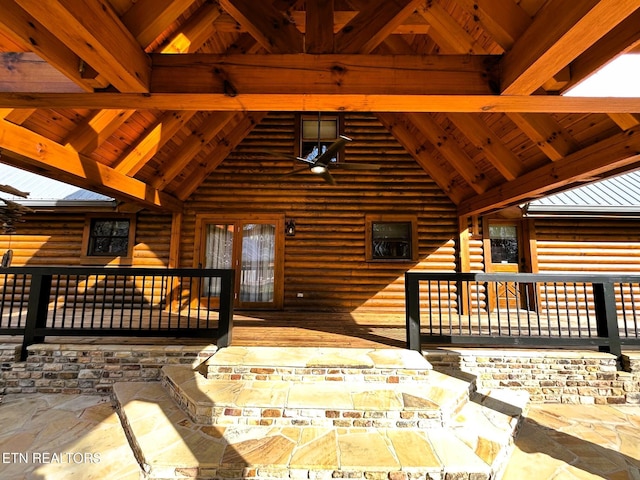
58, 436
264, 412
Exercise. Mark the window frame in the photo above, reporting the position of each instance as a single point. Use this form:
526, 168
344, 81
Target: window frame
323, 141
120, 259
370, 220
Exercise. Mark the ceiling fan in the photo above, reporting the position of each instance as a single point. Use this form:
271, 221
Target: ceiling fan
321, 159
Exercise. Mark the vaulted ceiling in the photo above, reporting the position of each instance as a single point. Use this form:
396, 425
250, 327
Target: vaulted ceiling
143, 99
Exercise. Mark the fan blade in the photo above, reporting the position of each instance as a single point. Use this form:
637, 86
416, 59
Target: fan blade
293, 172
327, 177
334, 148
358, 166
286, 155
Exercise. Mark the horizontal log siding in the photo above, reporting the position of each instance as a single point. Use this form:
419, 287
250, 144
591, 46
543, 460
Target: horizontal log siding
587, 245
325, 261
55, 239
570, 245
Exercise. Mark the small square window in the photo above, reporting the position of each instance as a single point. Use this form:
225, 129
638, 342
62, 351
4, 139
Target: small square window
107, 238
393, 239
317, 134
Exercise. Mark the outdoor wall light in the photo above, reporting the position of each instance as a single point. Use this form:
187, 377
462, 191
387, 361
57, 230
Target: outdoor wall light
290, 228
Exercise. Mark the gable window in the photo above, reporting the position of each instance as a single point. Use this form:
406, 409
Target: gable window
391, 238
106, 238
318, 131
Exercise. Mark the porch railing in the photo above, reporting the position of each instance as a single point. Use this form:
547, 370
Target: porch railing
539, 310
36, 302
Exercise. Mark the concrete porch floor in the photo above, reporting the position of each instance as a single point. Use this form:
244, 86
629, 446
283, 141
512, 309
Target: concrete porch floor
56, 437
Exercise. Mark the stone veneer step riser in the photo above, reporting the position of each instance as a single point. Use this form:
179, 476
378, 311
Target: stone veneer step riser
275, 415
305, 375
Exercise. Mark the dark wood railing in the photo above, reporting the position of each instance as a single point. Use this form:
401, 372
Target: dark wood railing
602, 311
36, 302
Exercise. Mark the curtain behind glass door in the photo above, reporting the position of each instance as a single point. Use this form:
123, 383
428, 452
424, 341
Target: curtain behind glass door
218, 253
258, 263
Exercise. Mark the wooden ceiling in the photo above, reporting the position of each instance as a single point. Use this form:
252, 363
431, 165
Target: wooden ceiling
143, 99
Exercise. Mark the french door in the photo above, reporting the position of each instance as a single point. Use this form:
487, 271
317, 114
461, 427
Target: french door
253, 247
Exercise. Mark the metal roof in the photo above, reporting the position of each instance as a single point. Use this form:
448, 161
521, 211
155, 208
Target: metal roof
44, 190
618, 195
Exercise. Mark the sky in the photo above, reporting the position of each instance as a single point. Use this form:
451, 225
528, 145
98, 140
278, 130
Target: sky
619, 78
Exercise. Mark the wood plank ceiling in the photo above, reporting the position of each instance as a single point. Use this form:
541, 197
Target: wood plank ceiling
143, 99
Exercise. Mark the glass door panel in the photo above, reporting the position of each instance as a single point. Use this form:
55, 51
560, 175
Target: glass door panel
218, 253
252, 249
258, 263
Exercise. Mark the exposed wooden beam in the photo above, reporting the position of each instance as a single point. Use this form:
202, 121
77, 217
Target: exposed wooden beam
554, 141
503, 21
195, 31
625, 120
559, 81
450, 150
10, 43
17, 115
447, 32
92, 133
93, 31
503, 159
319, 27
37, 153
615, 152
376, 21
304, 74
312, 101
404, 132
182, 156
26, 72
245, 123
18, 24
621, 39
152, 141
147, 19
414, 24
560, 32
266, 24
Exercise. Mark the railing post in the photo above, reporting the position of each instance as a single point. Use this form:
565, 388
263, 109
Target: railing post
225, 316
604, 297
37, 310
412, 308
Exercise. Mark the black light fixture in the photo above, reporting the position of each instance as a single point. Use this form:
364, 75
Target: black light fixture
290, 228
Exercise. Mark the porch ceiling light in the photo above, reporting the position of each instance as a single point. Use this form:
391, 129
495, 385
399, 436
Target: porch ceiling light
318, 169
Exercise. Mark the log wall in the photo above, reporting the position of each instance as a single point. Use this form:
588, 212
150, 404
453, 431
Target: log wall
588, 246
55, 239
325, 261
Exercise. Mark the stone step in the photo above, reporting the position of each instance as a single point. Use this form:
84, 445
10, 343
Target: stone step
169, 445
309, 364
329, 403
489, 423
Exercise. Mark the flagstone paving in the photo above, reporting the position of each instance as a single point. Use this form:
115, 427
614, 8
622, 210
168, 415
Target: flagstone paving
560, 442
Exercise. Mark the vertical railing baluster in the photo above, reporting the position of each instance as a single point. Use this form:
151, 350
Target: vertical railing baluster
578, 316
624, 310
566, 308
633, 308
498, 318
